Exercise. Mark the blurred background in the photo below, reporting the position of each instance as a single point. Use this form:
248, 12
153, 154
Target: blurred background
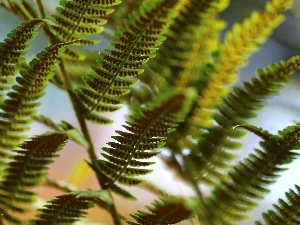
281, 111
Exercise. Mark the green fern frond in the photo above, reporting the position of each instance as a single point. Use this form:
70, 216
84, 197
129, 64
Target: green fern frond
26, 170
79, 19
213, 155
286, 212
146, 132
69, 208
12, 51
134, 46
169, 210
18, 110
248, 180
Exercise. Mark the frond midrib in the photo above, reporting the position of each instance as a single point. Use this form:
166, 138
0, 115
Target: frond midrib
78, 21
141, 137
110, 84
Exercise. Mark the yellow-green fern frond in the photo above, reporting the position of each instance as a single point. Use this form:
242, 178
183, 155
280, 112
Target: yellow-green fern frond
286, 212
202, 46
182, 37
18, 110
239, 43
27, 169
213, 154
170, 210
77, 19
248, 181
116, 68
147, 130
12, 51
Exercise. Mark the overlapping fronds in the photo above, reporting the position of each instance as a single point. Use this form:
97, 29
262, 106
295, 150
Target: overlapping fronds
242, 104
23, 9
79, 19
165, 211
69, 208
134, 46
286, 212
248, 181
197, 39
18, 110
243, 40
26, 170
12, 51
145, 133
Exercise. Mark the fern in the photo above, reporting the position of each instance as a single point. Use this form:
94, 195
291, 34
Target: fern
176, 65
165, 211
12, 52
242, 103
249, 179
68, 208
18, 110
183, 106
285, 212
147, 131
26, 170
115, 69
77, 20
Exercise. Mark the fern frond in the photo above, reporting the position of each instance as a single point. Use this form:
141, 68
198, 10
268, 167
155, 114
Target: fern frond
169, 210
69, 208
213, 155
286, 212
23, 9
26, 170
146, 132
243, 40
18, 110
12, 51
79, 19
197, 39
248, 180
134, 46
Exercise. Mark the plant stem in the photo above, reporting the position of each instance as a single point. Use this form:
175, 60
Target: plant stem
75, 103
203, 218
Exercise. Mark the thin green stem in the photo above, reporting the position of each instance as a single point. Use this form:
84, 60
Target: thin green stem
205, 215
77, 108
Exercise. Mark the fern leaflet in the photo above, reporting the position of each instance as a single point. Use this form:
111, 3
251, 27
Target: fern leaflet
248, 180
18, 110
166, 211
134, 46
26, 170
242, 103
79, 19
12, 51
146, 132
286, 212
69, 208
